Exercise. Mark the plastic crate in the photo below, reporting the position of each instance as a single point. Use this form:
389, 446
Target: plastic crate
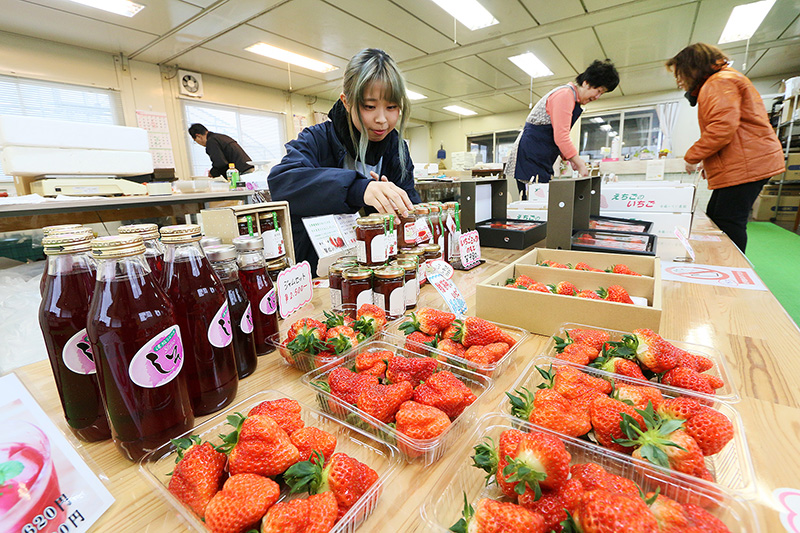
426, 451
442, 508
732, 467
379, 456
720, 369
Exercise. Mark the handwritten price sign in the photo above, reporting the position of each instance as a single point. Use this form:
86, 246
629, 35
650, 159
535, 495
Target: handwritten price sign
449, 292
294, 288
470, 245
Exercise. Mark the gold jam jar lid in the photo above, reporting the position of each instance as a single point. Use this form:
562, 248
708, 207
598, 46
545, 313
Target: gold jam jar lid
66, 243
116, 246
180, 234
147, 231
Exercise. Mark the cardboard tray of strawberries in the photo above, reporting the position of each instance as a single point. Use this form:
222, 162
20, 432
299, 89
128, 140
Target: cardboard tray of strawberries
716, 439
419, 404
309, 343
693, 498
434, 332
703, 369
159, 466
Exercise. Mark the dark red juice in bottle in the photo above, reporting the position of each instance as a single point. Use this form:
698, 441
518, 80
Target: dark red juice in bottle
259, 289
70, 278
75, 229
138, 348
202, 311
153, 249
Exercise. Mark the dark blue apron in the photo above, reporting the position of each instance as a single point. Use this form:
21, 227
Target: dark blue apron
538, 150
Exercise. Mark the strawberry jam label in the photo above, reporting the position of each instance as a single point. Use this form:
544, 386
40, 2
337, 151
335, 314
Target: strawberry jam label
269, 303
159, 361
77, 354
246, 324
220, 333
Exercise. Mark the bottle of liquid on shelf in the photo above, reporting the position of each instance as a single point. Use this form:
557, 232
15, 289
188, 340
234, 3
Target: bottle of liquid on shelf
75, 229
223, 260
259, 289
70, 278
153, 249
201, 307
233, 176
137, 348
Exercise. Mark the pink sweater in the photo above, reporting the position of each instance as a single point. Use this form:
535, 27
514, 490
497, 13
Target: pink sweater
559, 106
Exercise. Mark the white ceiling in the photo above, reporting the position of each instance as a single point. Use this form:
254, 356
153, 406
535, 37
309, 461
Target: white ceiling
210, 36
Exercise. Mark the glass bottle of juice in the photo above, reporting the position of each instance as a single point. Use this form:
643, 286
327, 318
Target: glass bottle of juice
223, 260
70, 277
259, 289
138, 349
75, 229
153, 249
201, 308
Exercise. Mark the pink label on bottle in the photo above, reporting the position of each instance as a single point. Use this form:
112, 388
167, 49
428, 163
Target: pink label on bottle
246, 323
269, 303
77, 354
159, 361
220, 333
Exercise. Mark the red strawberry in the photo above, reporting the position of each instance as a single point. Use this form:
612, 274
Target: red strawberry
284, 411
341, 339
306, 335
411, 369
553, 411
615, 293
586, 267
493, 460
347, 385
323, 512
539, 461
198, 474
621, 366
702, 519
451, 347
686, 378
554, 505
241, 503
486, 355
449, 332
552, 264
446, 392
311, 439
419, 421
571, 382
417, 343
710, 429
601, 511
681, 407
337, 318
622, 269
323, 358
593, 476
524, 280
317, 514
477, 331
373, 363
698, 363
651, 350
307, 324
588, 294
606, 416
383, 401
593, 337
565, 288
260, 446
370, 319
428, 320
668, 513
490, 516
638, 395
540, 287
581, 354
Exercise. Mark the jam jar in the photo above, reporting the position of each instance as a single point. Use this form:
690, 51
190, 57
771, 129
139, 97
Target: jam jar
406, 231
356, 288
335, 281
435, 223
247, 225
422, 212
388, 290
370, 241
432, 251
272, 235
390, 223
275, 267
418, 254
410, 281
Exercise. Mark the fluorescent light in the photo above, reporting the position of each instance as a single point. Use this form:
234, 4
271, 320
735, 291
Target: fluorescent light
460, 110
280, 54
744, 21
606, 127
468, 12
596, 120
415, 96
119, 7
612, 133
531, 64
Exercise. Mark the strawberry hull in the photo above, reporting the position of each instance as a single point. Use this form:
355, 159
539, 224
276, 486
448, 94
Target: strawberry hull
443, 505
426, 451
381, 457
732, 467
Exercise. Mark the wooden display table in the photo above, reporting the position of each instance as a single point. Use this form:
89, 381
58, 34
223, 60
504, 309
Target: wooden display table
750, 328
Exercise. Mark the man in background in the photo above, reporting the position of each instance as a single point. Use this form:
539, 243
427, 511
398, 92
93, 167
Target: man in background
222, 150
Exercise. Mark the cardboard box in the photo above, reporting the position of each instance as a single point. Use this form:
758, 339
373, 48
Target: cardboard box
542, 313
764, 207
663, 223
221, 222
646, 266
539, 215
793, 167
644, 197
492, 237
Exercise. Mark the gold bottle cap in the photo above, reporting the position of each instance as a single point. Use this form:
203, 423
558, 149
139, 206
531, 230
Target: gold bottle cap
357, 273
371, 220
432, 248
67, 243
433, 208
341, 266
277, 264
117, 246
409, 265
347, 259
61, 228
421, 209
180, 234
389, 272
147, 231
67, 228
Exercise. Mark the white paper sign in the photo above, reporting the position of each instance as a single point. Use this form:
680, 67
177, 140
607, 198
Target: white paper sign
470, 244
448, 290
38, 455
347, 227
295, 288
655, 169
423, 230
737, 278
679, 232
330, 234
437, 265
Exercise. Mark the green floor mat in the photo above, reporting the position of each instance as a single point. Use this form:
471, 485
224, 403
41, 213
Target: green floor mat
775, 254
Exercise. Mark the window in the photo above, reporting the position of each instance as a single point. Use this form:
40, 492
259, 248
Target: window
34, 98
638, 129
260, 133
492, 147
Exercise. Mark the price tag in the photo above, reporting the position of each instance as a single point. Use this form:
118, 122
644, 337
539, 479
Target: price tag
441, 267
451, 225
449, 292
294, 288
470, 244
423, 231
684, 241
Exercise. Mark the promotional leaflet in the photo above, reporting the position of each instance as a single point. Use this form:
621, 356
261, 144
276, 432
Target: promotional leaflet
737, 278
449, 292
470, 245
330, 234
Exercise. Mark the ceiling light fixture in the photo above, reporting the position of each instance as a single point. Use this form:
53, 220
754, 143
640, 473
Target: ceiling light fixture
531, 64
744, 21
468, 12
280, 54
118, 7
606, 127
596, 120
460, 110
414, 96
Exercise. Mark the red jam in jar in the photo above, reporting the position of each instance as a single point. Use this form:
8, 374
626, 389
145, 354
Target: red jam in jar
410, 281
388, 291
272, 235
335, 280
371, 241
356, 288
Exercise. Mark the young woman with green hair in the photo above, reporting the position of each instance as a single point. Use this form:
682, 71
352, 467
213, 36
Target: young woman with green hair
357, 159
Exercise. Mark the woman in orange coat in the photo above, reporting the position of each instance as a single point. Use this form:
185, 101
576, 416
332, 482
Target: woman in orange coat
738, 149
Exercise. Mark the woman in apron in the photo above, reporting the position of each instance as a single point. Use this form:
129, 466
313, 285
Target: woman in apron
546, 132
